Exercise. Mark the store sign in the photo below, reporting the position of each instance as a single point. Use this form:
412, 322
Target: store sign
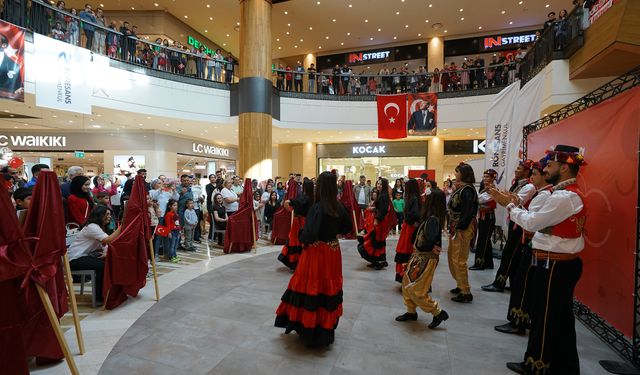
197, 44
501, 40
369, 150
598, 9
465, 147
210, 150
360, 57
18, 141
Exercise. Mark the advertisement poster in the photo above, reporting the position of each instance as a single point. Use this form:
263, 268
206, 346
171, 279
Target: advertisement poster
423, 114
11, 62
123, 164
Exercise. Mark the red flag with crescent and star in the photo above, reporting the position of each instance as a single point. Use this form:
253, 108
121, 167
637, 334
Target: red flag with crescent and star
392, 116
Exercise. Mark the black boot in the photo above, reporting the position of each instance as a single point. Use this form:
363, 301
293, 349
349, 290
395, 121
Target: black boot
510, 328
463, 298
517, 367
455, 291
492, 288
439, 319
407, 316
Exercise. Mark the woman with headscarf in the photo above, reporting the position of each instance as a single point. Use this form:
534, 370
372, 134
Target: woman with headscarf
404, 249
300, 205
372, 246
80, 202
312, 303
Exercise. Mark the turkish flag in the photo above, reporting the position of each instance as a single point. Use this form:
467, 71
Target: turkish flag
162, 231
392, 116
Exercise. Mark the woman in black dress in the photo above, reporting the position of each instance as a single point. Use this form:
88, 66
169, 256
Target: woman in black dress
312, 303
292, 249
372, 246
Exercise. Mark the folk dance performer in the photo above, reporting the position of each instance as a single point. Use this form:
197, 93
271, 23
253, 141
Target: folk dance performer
404, 248
312, 303
510, 252
418, 277
463, 207
372, 246
558, 239
519, 310
486, 223
293, 247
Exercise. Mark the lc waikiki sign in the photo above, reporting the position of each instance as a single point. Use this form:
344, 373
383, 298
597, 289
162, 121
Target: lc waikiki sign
501, 40
21, 141
362, 57
210, 150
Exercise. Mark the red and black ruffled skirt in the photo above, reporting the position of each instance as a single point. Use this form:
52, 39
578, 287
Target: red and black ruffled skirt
312, 303
369, 217
372, 246
404, 249
292, 249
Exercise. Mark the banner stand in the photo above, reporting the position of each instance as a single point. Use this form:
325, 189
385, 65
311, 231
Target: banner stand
74, 305
627, 349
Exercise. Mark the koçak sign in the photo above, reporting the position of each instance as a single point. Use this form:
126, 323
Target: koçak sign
363, 57
210, 150
369, 150
502, 40
21, 141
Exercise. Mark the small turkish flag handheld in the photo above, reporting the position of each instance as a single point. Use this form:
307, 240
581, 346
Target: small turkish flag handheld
392, 116
162, 231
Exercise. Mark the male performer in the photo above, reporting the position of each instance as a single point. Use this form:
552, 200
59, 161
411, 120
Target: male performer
486, 223
518, 313
511, 257
558, 239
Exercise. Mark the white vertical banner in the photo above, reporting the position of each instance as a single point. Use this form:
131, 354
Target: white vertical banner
64, 74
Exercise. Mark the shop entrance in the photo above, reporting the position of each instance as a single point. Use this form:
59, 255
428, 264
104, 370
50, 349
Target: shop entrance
91, 161
201, 167
372, 167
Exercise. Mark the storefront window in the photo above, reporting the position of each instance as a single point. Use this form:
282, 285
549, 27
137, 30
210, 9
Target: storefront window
373, 167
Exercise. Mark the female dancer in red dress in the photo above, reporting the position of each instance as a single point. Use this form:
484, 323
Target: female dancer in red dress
372, 246
404, 249
312, 303
293, 248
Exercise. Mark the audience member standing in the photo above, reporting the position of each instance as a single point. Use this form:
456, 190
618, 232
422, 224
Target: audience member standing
89, 17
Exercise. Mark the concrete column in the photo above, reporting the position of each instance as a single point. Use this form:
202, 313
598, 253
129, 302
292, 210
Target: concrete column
255, 121
435, 157
435, 53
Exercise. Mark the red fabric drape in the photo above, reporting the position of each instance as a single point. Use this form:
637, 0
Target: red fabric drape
126, 263
349, 202
281, 224
45, 230
238, 236
14, 262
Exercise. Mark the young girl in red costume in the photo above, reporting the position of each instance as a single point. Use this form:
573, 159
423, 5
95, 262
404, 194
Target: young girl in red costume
293, 248
412, 205
372, 246
312, 303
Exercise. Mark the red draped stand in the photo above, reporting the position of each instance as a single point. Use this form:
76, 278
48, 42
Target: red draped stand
126, 263
240, 235
282, 219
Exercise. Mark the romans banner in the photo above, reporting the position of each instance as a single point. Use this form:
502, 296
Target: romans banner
423, 109
11, 62
609, 133
392, 116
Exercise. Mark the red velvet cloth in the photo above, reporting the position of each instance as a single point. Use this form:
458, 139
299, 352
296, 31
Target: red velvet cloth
238, 236
348, 199
126, 263
14, 262
281, 224
45, 231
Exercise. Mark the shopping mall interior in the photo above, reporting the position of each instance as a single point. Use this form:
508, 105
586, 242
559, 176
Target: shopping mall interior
190, 101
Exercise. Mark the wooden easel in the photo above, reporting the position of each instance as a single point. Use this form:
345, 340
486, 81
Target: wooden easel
74, 305
55, 324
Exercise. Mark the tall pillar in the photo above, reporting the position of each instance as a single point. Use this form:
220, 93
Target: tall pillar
435, 54
254, 123
435, 157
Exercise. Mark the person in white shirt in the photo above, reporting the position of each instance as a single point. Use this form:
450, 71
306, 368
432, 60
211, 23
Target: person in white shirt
511, 251
518, 312
89, 248
558, 225
198, 200
237, 185
230, 198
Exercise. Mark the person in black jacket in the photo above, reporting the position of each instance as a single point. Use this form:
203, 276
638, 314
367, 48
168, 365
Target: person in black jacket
319, 272
404, 249
372, 246
427, 244
463, 207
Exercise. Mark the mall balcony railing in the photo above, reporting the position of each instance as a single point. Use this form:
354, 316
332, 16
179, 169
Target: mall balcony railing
557, 42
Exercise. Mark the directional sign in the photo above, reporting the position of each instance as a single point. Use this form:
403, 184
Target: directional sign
79, 154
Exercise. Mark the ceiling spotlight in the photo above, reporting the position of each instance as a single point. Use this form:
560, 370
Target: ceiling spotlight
285, 33
334, 20
310, 28
224, 44
379, 29
503, 12
511, 23
546, 6
350, 6
211, 18
295, 46
319, 47
238, 23
132, 8
419, 34
326, 37
228, 35
277, 39
288, 25
208, 6
341, 43
302, 40
317, 2
348, 34
206, 31
479, 27
366, 20
370, 38
186, 16
445, 31
155, 4
461, 18
279, 47
397, 13
285, 12
395, 37
461, 9
520, 2
406, 26
426, 21
430, 5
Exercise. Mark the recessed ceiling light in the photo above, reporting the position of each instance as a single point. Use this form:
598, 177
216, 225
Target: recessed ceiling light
326, 37
101, 5
341, 43
461, 9
288, 25
430, 5
211, 18
238, 23
546, 6
302, 40
70, 121
379, 29
156, 4
319, 47
461, 18
277, 39
419, 34
405, 26
334, 20
350, 6
520, 2
479, 27
426, 21
348, 34
206, 31
503, 12
285, 12
317, 2
445, 31
224, 44
228, 35
366, 20
295, 46
397, 13
395, 37
370, 38
511, 23
310, 28
279, 47
186, 16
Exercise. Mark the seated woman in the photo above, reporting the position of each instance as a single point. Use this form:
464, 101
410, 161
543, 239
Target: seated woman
219, 217
80, 203
88, 250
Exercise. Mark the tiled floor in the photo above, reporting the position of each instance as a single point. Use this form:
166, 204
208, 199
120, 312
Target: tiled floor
222, 323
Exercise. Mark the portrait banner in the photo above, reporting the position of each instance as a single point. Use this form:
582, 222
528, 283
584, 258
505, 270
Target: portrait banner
423, 109
11, 62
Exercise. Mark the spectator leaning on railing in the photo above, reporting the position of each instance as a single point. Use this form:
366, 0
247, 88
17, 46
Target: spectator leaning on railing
88, 15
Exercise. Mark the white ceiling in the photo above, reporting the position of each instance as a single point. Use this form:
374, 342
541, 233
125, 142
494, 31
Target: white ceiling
316, 26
